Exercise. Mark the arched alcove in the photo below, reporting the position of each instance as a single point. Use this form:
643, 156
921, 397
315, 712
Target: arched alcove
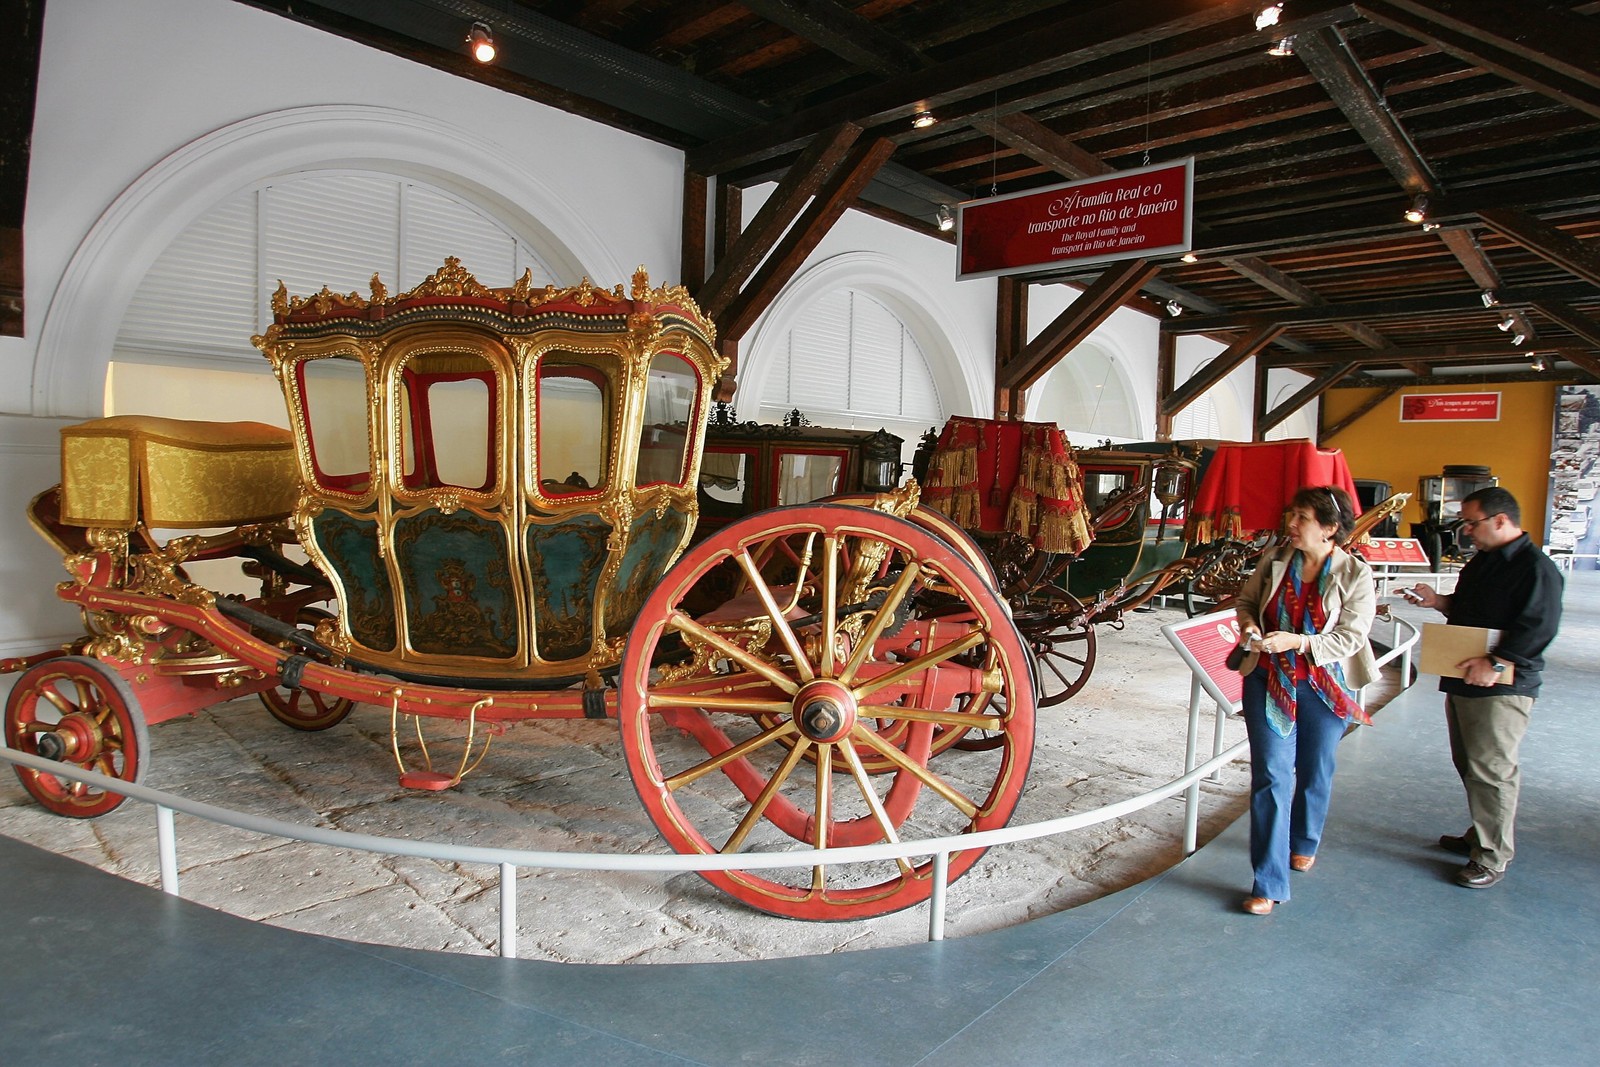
961, 385
80, 328
1089, 394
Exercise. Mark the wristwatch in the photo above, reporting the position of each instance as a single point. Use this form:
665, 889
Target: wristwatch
1499, 668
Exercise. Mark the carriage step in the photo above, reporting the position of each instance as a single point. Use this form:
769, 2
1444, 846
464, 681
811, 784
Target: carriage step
429, 780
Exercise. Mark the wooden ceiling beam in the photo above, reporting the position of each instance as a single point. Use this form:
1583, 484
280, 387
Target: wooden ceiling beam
1092, 307
837, 29
1407, 307
1220, 366
1330, 60
843, 187
1586, 328
1545, 241
1584, 361
1537, 45
1276, 281
1043, 145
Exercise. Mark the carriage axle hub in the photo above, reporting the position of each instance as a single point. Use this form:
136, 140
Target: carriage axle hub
825, 711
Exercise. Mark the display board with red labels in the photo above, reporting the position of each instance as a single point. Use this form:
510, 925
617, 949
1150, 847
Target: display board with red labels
1395, 552
1204, 644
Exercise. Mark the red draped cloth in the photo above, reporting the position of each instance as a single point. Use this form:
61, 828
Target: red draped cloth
992, 476
1248, 485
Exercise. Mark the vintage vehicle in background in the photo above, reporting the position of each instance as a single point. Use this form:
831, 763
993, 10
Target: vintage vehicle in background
496, 489
749, 466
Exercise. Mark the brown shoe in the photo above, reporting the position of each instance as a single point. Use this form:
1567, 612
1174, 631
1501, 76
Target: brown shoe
1258, 905
1301, 863
1476, 876
1461, 846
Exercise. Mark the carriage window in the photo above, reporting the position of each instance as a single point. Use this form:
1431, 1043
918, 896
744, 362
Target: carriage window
573, 428
804, 477
448, 426
668, 407
1101, 486
725, 484
333, 393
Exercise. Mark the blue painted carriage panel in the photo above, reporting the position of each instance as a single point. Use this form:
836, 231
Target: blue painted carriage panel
652, 545
564, 564
458, 589
350, 544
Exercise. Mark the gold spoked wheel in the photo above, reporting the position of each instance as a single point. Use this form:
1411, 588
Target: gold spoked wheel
810, 712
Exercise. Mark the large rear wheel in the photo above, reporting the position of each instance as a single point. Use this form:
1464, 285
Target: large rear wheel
810, 712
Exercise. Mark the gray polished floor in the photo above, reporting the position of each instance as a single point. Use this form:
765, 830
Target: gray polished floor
1379, 959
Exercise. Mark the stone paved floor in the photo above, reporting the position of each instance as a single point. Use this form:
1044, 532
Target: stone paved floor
564, 785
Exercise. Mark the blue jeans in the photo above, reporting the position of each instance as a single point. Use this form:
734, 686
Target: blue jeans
1291, 779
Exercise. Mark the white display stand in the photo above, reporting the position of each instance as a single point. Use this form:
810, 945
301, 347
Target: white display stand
1204, 644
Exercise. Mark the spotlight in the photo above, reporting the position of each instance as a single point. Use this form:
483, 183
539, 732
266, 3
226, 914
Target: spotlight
1174, 308
1506, 323
947, 221
922, 120
1418, 211
480, 42
1517, 339
1489, 299
1539, 364
1268, 16
1189, 257
1429, 227
1283, 46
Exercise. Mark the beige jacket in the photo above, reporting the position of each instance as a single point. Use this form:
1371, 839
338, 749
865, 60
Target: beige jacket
1350, 603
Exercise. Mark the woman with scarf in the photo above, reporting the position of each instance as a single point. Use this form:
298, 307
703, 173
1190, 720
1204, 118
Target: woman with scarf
1308, 610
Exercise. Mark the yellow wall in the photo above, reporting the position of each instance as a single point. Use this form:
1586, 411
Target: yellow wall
1516, 449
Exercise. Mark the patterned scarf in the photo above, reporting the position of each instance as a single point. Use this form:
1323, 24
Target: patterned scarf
1296, 609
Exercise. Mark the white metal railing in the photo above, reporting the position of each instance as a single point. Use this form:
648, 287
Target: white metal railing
509, 860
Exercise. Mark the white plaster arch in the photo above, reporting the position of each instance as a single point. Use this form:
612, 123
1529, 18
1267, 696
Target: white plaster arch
80, 326
1118, 362
962, 387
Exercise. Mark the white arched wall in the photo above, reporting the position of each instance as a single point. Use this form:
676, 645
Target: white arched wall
80, 327
961, 386
1041, 408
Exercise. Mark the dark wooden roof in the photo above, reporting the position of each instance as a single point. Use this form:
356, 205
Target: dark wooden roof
1304, 163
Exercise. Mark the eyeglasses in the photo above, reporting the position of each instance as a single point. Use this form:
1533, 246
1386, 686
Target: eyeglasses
1472, 524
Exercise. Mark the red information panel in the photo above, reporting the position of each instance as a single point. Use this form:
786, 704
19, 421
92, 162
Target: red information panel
1450, 407
1127, 215
1204, 644
1395, 552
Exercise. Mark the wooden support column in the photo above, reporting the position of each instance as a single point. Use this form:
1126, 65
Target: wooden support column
798, 186
1258, 400
844, 184
1166, 378
1093, 306
1010, 335
692, 254
726, 228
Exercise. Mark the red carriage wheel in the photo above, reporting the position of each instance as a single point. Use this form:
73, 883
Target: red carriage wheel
799, 685
76, 710
305, 709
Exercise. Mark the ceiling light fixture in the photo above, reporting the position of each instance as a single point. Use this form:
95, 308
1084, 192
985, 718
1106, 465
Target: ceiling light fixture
1489, 299
1189, 257
922, 120
480, 42
946, 220
1429, 227
1283, 46
1268, 16
1539, 364
1506, 323
1418, 211
1174, 308
1518, 338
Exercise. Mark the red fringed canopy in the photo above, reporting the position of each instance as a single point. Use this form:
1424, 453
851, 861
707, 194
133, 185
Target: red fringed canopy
1248, 485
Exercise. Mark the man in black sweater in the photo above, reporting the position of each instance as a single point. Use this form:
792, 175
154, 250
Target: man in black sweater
1511, 586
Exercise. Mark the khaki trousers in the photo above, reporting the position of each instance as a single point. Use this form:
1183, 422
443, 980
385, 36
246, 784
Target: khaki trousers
1485, 733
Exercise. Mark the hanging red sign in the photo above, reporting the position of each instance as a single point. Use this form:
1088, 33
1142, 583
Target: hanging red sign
1450, 407
1128, 215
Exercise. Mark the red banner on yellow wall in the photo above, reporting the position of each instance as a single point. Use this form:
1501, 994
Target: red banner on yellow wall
1450, 407
1128, 215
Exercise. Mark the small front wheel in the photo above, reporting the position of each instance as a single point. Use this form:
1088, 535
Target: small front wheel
77, 711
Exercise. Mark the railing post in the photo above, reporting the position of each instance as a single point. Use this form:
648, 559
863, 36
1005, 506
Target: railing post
508, 911
1191, 796
167, 848
941, 875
